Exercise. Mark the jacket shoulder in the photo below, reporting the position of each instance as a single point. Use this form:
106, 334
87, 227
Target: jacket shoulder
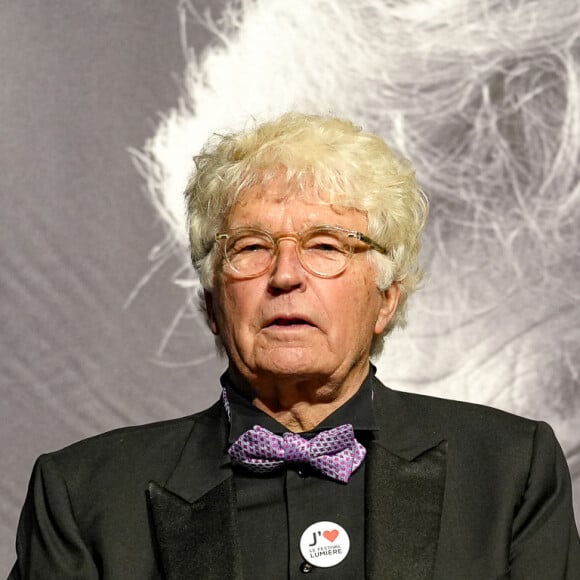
474, 434
152, 448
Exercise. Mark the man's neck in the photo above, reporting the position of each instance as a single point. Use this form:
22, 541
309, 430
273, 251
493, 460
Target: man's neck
302, 403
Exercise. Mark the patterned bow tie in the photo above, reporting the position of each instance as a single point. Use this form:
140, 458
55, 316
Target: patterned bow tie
335, 452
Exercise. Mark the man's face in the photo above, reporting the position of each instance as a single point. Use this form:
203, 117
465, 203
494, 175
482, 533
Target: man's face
288, 324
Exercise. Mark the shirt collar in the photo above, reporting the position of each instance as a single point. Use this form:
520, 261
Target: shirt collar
358, 411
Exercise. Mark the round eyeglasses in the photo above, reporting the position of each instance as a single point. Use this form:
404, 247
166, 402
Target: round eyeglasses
323, 250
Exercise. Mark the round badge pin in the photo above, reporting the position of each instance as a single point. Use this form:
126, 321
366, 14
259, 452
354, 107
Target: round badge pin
324, 544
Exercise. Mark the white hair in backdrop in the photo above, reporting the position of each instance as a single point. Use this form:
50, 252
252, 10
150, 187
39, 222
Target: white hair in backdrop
484, 97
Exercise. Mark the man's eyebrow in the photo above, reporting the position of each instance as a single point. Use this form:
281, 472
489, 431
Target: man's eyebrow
304, 228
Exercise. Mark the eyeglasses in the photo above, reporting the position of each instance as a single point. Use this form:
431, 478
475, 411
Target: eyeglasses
324, 251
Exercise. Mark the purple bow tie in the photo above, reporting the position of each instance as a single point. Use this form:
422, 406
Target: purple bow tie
335, 452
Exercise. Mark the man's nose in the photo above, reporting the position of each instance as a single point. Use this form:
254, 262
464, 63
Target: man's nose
287, 271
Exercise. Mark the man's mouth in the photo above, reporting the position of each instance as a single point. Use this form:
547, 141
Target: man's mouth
289, 321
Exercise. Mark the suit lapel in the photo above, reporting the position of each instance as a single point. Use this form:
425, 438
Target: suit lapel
193, 514
405, 484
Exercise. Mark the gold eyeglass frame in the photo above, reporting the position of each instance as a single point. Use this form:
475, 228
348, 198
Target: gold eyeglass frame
297, 237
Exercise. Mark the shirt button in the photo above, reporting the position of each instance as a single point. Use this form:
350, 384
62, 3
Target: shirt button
301, 472
305, 568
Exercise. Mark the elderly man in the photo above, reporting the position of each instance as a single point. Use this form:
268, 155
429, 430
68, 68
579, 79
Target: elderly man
305, 232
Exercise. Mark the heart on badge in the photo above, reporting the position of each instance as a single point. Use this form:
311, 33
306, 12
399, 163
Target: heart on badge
324, 544
330, 535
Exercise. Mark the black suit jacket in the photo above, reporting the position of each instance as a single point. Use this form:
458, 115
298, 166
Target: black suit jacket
453, 492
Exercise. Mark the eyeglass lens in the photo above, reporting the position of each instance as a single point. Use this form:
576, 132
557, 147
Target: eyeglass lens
321, 251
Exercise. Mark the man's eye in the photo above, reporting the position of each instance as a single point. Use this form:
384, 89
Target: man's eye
326, 248
324, 245
250, 246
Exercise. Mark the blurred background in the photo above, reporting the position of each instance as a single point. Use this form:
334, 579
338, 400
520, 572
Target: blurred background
103, 104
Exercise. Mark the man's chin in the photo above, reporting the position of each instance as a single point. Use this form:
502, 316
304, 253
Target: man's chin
303, 360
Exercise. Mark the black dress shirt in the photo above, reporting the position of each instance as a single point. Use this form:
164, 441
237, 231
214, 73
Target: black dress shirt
275, 509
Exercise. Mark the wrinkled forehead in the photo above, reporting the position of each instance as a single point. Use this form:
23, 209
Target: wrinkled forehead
278, 188
304, 206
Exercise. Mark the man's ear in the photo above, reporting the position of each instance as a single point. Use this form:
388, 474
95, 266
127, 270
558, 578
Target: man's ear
390, 301
210, 312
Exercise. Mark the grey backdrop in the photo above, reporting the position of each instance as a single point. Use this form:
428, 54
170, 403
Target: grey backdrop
81, 83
